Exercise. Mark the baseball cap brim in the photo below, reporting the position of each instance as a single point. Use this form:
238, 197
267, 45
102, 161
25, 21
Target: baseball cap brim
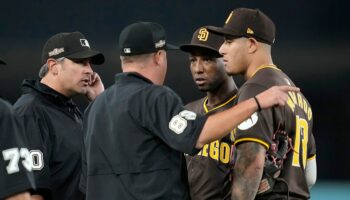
96, 57
192, 47
2, 62
171, 47
222, 31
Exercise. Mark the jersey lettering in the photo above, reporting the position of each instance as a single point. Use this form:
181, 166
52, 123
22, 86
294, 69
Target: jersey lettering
296, 99
216, 150
301, 136
37, 159
13, 155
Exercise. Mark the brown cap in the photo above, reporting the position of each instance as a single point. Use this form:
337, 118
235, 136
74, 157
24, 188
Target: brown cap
204, 39
246, 22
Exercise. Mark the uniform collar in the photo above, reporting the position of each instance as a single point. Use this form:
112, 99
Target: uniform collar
30, 85
127, 75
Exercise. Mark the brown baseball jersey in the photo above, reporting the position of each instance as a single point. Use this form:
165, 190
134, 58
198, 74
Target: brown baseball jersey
209, 171
296, 115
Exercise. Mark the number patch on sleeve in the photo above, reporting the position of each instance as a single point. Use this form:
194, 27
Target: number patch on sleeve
14, 155
178, 124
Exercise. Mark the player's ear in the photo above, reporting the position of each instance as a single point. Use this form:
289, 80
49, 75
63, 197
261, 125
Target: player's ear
252, 45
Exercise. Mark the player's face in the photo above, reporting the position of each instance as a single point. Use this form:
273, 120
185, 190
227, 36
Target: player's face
207, 71
234, 53
74, 76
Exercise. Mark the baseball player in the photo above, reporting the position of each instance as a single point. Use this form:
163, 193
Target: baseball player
137, 130
275, 147
209, 172
16, 179
52, 121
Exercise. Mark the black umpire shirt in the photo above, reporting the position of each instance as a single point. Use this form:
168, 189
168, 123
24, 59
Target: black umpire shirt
53, 126
15, 164
136, 133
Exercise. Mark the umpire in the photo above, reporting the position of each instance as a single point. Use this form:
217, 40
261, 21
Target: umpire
52, 121
137, 130
16, 178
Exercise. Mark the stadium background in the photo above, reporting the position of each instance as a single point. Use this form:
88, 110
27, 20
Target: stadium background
312, 47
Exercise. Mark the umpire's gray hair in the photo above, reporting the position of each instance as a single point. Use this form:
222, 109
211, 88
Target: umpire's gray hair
135, 58
44, 69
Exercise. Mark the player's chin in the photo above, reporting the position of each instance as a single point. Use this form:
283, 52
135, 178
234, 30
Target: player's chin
203, 88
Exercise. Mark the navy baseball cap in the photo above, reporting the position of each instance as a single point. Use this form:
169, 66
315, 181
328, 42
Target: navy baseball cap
70, 45
204, 39
246, 22
142, 38
2, 62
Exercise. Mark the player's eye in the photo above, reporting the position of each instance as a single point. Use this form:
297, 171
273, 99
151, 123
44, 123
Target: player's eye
192, 59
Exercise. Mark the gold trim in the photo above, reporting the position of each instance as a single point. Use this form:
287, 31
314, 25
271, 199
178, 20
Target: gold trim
312, 157
263, 67
252, 140
219, 106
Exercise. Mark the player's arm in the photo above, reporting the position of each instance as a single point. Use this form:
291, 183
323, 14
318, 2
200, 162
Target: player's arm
311, 172
20, 196
37, 197
248, 170
216, 125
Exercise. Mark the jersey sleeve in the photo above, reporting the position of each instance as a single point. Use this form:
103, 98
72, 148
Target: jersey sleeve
37, 134
15, 162
311, 147
169, 120
259, 127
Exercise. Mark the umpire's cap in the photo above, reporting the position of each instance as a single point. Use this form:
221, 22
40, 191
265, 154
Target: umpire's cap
246, 22
70, 45
2, 62
203, 39
142, 38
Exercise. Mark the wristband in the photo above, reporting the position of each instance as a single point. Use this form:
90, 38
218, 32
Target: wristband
257, 103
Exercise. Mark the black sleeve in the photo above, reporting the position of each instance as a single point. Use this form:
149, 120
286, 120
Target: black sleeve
259, 127
83, 179
170, 121
37, 134
15, 162
311, 147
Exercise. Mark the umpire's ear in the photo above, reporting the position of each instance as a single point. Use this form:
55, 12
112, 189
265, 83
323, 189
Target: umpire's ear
52, 64
160, 58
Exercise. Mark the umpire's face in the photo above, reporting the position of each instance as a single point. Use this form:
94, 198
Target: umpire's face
236, 55
73, 75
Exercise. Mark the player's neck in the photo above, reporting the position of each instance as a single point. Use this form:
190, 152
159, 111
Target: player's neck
256, 64
223, 92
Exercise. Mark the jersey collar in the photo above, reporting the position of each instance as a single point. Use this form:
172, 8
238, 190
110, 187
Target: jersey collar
263, 67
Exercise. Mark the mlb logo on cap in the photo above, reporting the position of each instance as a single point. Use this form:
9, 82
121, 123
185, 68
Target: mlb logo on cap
84, 43
71, 45
143, 38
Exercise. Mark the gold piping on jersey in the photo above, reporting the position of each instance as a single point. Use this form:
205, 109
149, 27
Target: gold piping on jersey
263, 67
219, 106
252, 140
312, 157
